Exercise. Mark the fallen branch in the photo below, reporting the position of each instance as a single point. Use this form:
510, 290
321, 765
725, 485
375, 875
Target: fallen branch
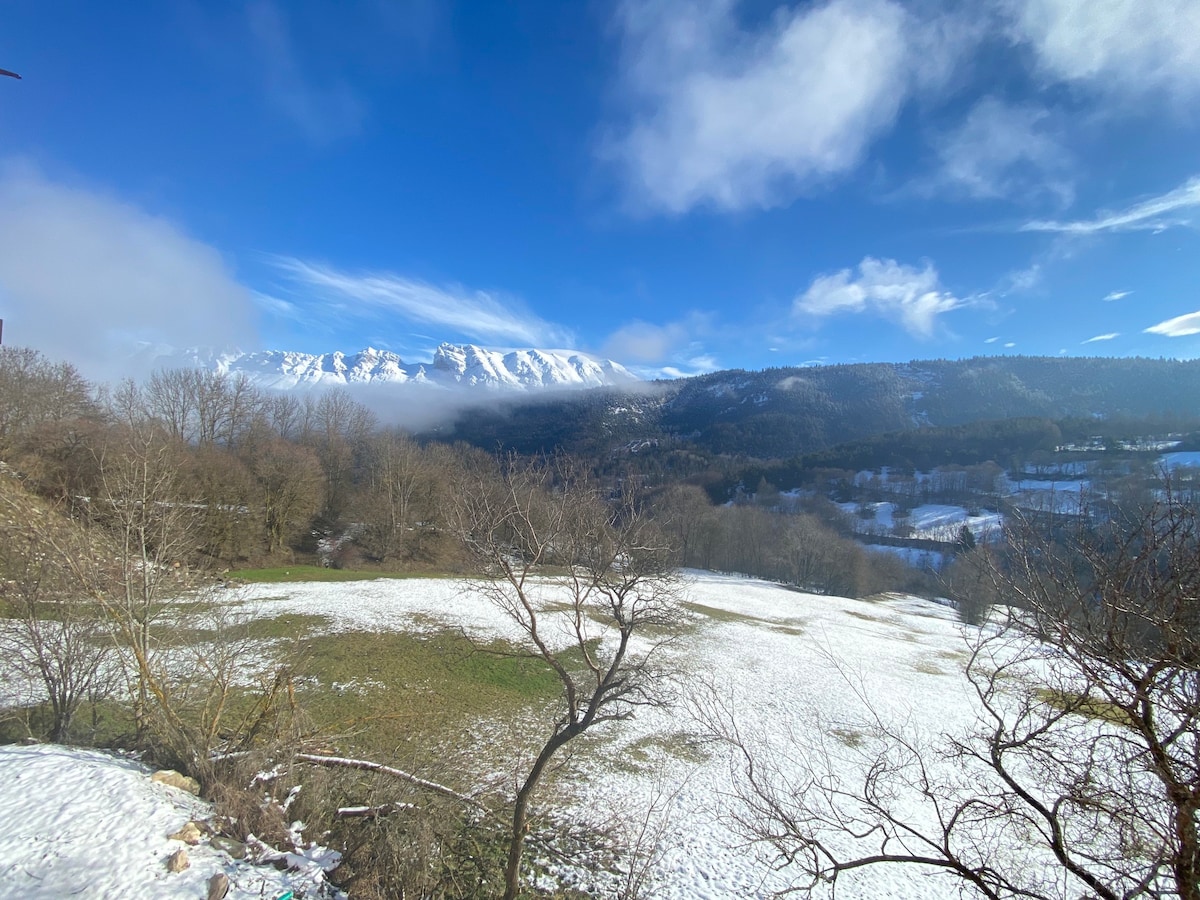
368, 766
371, 812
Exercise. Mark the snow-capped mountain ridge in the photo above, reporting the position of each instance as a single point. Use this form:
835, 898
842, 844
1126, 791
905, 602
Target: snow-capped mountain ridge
460, 366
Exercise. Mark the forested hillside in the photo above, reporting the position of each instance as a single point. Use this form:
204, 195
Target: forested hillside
787, 412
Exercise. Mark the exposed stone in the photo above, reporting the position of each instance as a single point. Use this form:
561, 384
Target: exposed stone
174, 779
218, 886
235, 849
178, 861
189, 834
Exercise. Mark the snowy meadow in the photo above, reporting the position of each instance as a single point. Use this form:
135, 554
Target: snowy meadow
792, 670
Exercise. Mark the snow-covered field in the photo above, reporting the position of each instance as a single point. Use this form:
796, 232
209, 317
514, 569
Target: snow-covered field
783, 661
1188, 458
82, 823
930, 521
768, 650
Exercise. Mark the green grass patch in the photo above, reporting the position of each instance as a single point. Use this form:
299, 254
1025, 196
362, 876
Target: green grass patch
865, 617
851, 737
288, 627
718, 615
794, 630
680, 745
404, 695
283, 574
1090, 707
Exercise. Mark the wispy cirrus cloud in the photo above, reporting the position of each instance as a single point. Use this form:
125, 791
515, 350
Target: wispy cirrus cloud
1102, 337
911, 296
322, 110
737, 117
1002, 150
1180, 326
1155, 214
485, 316
1116, 295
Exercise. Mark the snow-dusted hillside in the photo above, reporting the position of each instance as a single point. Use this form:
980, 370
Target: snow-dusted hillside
453, 366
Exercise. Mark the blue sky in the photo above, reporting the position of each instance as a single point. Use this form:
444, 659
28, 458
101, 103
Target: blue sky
680, 185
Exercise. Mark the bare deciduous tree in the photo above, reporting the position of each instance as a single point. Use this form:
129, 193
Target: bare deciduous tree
580, 575
397, 488
34, 390
336, 427
1082, 776
154, 528
287, 480
52, 633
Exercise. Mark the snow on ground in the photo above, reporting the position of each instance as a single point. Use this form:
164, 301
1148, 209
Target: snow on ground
925, 560
782, 659
1057, 496
770, 651
930, 521
83, 823
1173, 461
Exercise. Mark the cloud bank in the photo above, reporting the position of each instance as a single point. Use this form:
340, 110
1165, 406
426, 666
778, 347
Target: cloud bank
85, 276
1002, 149
732, 112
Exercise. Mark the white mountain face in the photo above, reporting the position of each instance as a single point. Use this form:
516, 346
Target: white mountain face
455, 366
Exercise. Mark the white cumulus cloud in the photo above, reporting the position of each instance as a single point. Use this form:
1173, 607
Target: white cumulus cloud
905, 294
1180, 326
738, 117
1128, 47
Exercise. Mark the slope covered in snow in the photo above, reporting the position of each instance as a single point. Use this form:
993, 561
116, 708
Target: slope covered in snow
803, 673
789, 663
458, 366
82, 823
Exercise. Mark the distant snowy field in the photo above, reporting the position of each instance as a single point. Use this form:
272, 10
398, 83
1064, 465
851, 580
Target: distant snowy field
784, 661
930, 521
1188, 458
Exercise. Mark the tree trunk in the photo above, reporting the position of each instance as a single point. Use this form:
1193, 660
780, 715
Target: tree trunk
520, 820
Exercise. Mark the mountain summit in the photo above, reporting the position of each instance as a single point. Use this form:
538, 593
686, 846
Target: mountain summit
454, 366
